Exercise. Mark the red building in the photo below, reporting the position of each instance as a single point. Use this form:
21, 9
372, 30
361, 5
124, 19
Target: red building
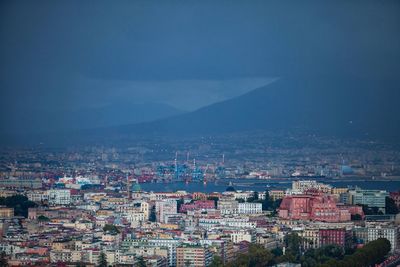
318, 207
332, 237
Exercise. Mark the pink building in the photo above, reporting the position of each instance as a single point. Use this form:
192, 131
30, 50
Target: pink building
316, 207
198, 205
352, 209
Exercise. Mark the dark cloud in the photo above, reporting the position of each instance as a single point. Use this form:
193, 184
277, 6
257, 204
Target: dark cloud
48, 48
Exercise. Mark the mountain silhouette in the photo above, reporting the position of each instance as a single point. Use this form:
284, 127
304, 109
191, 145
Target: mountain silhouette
345, 107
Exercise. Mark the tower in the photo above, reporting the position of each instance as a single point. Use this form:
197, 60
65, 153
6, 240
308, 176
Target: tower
128, 187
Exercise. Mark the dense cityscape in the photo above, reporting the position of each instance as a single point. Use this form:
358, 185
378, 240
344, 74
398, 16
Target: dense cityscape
211, 203
187, 133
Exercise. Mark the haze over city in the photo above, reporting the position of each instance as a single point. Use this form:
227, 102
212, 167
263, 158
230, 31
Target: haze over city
199, 133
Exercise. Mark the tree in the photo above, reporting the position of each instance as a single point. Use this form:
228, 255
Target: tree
356, 217
277, 251
372, 253
256, 257
259, 256
179, 203
241, 200
152, 216
43, 218
140, 262
216, 262
391, 207
111, 228
103, 260
267, 202
3, 260
293, 242
20, 203
255, 195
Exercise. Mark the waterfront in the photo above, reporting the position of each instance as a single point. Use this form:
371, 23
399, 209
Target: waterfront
261, 185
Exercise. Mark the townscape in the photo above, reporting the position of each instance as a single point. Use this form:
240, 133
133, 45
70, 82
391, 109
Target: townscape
212, 133
91, 209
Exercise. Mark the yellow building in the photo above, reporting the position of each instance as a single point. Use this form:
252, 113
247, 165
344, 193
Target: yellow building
6, 212
277, 194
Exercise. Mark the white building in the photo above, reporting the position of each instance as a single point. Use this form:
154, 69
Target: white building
371, 198
136, 218
165, 207
301, 186
243, 235
384, 231
250, 208
59, 196
228, 206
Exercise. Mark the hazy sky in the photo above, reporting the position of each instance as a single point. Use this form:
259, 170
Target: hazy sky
184, 53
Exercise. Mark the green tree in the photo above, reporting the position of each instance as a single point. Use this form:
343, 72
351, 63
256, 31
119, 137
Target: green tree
179, 203
356, 217
267, 202
140, 262
103, 260
43, 218
20, 203
391, 207
255, 195
152, 216
3, 260
259, 256
111, 228
256, 257
293, 242
216, 262
372, 253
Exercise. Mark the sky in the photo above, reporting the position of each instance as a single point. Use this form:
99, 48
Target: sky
187, 54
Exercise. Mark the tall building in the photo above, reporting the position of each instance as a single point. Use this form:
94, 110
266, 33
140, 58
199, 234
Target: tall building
371, 198
194, 256
165, 207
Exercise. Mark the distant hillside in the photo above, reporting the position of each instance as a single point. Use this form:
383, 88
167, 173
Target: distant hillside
345, 107
37, 121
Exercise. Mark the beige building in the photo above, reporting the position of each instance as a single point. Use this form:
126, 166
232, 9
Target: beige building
6, 212
193, 256
277, 194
